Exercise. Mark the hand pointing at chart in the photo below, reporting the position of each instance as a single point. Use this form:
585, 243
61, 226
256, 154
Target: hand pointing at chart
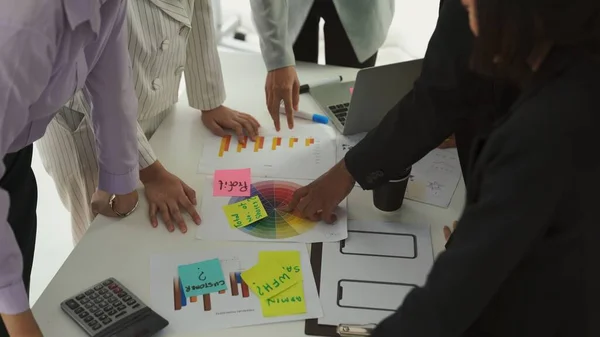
318, 200
282, 85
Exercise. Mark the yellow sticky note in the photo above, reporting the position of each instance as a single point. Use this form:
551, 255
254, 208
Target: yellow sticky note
288, 302
245, 212
289, 260
267, 279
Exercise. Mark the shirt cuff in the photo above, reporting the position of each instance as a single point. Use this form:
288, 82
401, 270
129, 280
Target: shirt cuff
276, 62
368, 179
118, 183
14, 299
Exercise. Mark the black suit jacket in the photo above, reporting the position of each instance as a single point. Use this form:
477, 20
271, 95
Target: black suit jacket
447, 98
524, 260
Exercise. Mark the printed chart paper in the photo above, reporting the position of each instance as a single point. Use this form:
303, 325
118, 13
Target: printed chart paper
387, 261
433, 179
235, 307
274, 156
277, 226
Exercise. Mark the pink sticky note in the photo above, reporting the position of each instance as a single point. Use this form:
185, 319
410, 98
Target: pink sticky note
232, 183
351, 90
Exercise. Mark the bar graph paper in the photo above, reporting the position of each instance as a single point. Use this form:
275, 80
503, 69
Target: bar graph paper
270, 156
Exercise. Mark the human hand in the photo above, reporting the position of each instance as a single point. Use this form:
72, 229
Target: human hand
222, 117
122, 203
448, 231
21, 325
282, 84
166, 193
317, 200
450, 142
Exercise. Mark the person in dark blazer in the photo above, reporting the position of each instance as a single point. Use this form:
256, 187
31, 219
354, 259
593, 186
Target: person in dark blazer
523, 260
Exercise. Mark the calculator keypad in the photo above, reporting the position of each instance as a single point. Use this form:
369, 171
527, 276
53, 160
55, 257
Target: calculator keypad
102, 305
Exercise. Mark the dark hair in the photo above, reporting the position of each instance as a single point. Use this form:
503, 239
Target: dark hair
509, 30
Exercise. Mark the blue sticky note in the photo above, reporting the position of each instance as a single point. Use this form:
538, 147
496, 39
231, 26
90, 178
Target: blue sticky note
202, 278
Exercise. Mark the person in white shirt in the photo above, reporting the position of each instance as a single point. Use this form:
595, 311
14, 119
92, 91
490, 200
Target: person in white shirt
289, 32
166, 37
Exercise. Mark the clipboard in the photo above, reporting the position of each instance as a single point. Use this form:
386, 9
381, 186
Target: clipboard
312, 326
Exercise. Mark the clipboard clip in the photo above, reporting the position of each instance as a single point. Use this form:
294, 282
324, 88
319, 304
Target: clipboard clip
353, 330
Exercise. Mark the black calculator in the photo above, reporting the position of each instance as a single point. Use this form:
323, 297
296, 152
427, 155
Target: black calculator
108, 309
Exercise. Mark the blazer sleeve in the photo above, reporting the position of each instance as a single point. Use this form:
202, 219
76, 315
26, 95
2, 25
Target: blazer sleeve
505, 217
427, 115
271, 21
203, 75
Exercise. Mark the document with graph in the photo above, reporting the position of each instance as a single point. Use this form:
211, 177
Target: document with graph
301, 155
234, 307
279, 225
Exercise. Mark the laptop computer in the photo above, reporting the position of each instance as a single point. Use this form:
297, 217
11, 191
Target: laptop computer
360, 105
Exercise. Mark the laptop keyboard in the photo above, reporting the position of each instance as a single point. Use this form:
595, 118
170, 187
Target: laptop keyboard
340, 111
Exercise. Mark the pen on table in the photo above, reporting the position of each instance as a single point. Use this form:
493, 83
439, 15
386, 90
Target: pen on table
304, 88
353, 330
307, 115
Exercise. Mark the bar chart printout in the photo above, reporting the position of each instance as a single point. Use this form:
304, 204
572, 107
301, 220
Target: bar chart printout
234, 307
271, 156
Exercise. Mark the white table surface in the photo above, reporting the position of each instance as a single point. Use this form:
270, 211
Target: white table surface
122, 248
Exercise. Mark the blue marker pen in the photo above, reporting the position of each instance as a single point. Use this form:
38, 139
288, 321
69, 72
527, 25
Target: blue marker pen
308, 116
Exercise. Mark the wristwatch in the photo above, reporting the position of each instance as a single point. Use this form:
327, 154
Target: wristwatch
111, 202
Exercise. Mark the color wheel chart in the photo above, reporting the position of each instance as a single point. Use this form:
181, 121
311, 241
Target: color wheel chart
278, 225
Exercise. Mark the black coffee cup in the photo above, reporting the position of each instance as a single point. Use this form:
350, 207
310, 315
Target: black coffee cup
389, 196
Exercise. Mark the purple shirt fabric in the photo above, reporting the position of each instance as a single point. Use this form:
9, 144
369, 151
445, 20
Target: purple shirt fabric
50, 49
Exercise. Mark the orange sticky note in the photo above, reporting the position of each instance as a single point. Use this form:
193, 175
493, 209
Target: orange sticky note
232, 183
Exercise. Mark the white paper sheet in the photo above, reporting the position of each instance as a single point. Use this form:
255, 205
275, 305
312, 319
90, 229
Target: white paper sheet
434, 178
306, 152
279, 226
225, 310
365, 278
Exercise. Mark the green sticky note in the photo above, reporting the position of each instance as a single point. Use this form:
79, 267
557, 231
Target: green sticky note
202, 278
245, 212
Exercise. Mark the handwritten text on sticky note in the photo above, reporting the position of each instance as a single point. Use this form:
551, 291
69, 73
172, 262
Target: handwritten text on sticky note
290, 301
202, 277
232, 183
245, 212
267, 279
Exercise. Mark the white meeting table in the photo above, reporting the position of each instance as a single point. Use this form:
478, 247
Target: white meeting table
121, 248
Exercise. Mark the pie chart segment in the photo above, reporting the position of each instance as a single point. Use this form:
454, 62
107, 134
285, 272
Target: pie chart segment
277, 224
298, 223
264, 228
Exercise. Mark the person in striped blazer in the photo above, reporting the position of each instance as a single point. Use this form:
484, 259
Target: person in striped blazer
165, 37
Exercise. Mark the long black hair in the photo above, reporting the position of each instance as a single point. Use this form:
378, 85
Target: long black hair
510, 30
